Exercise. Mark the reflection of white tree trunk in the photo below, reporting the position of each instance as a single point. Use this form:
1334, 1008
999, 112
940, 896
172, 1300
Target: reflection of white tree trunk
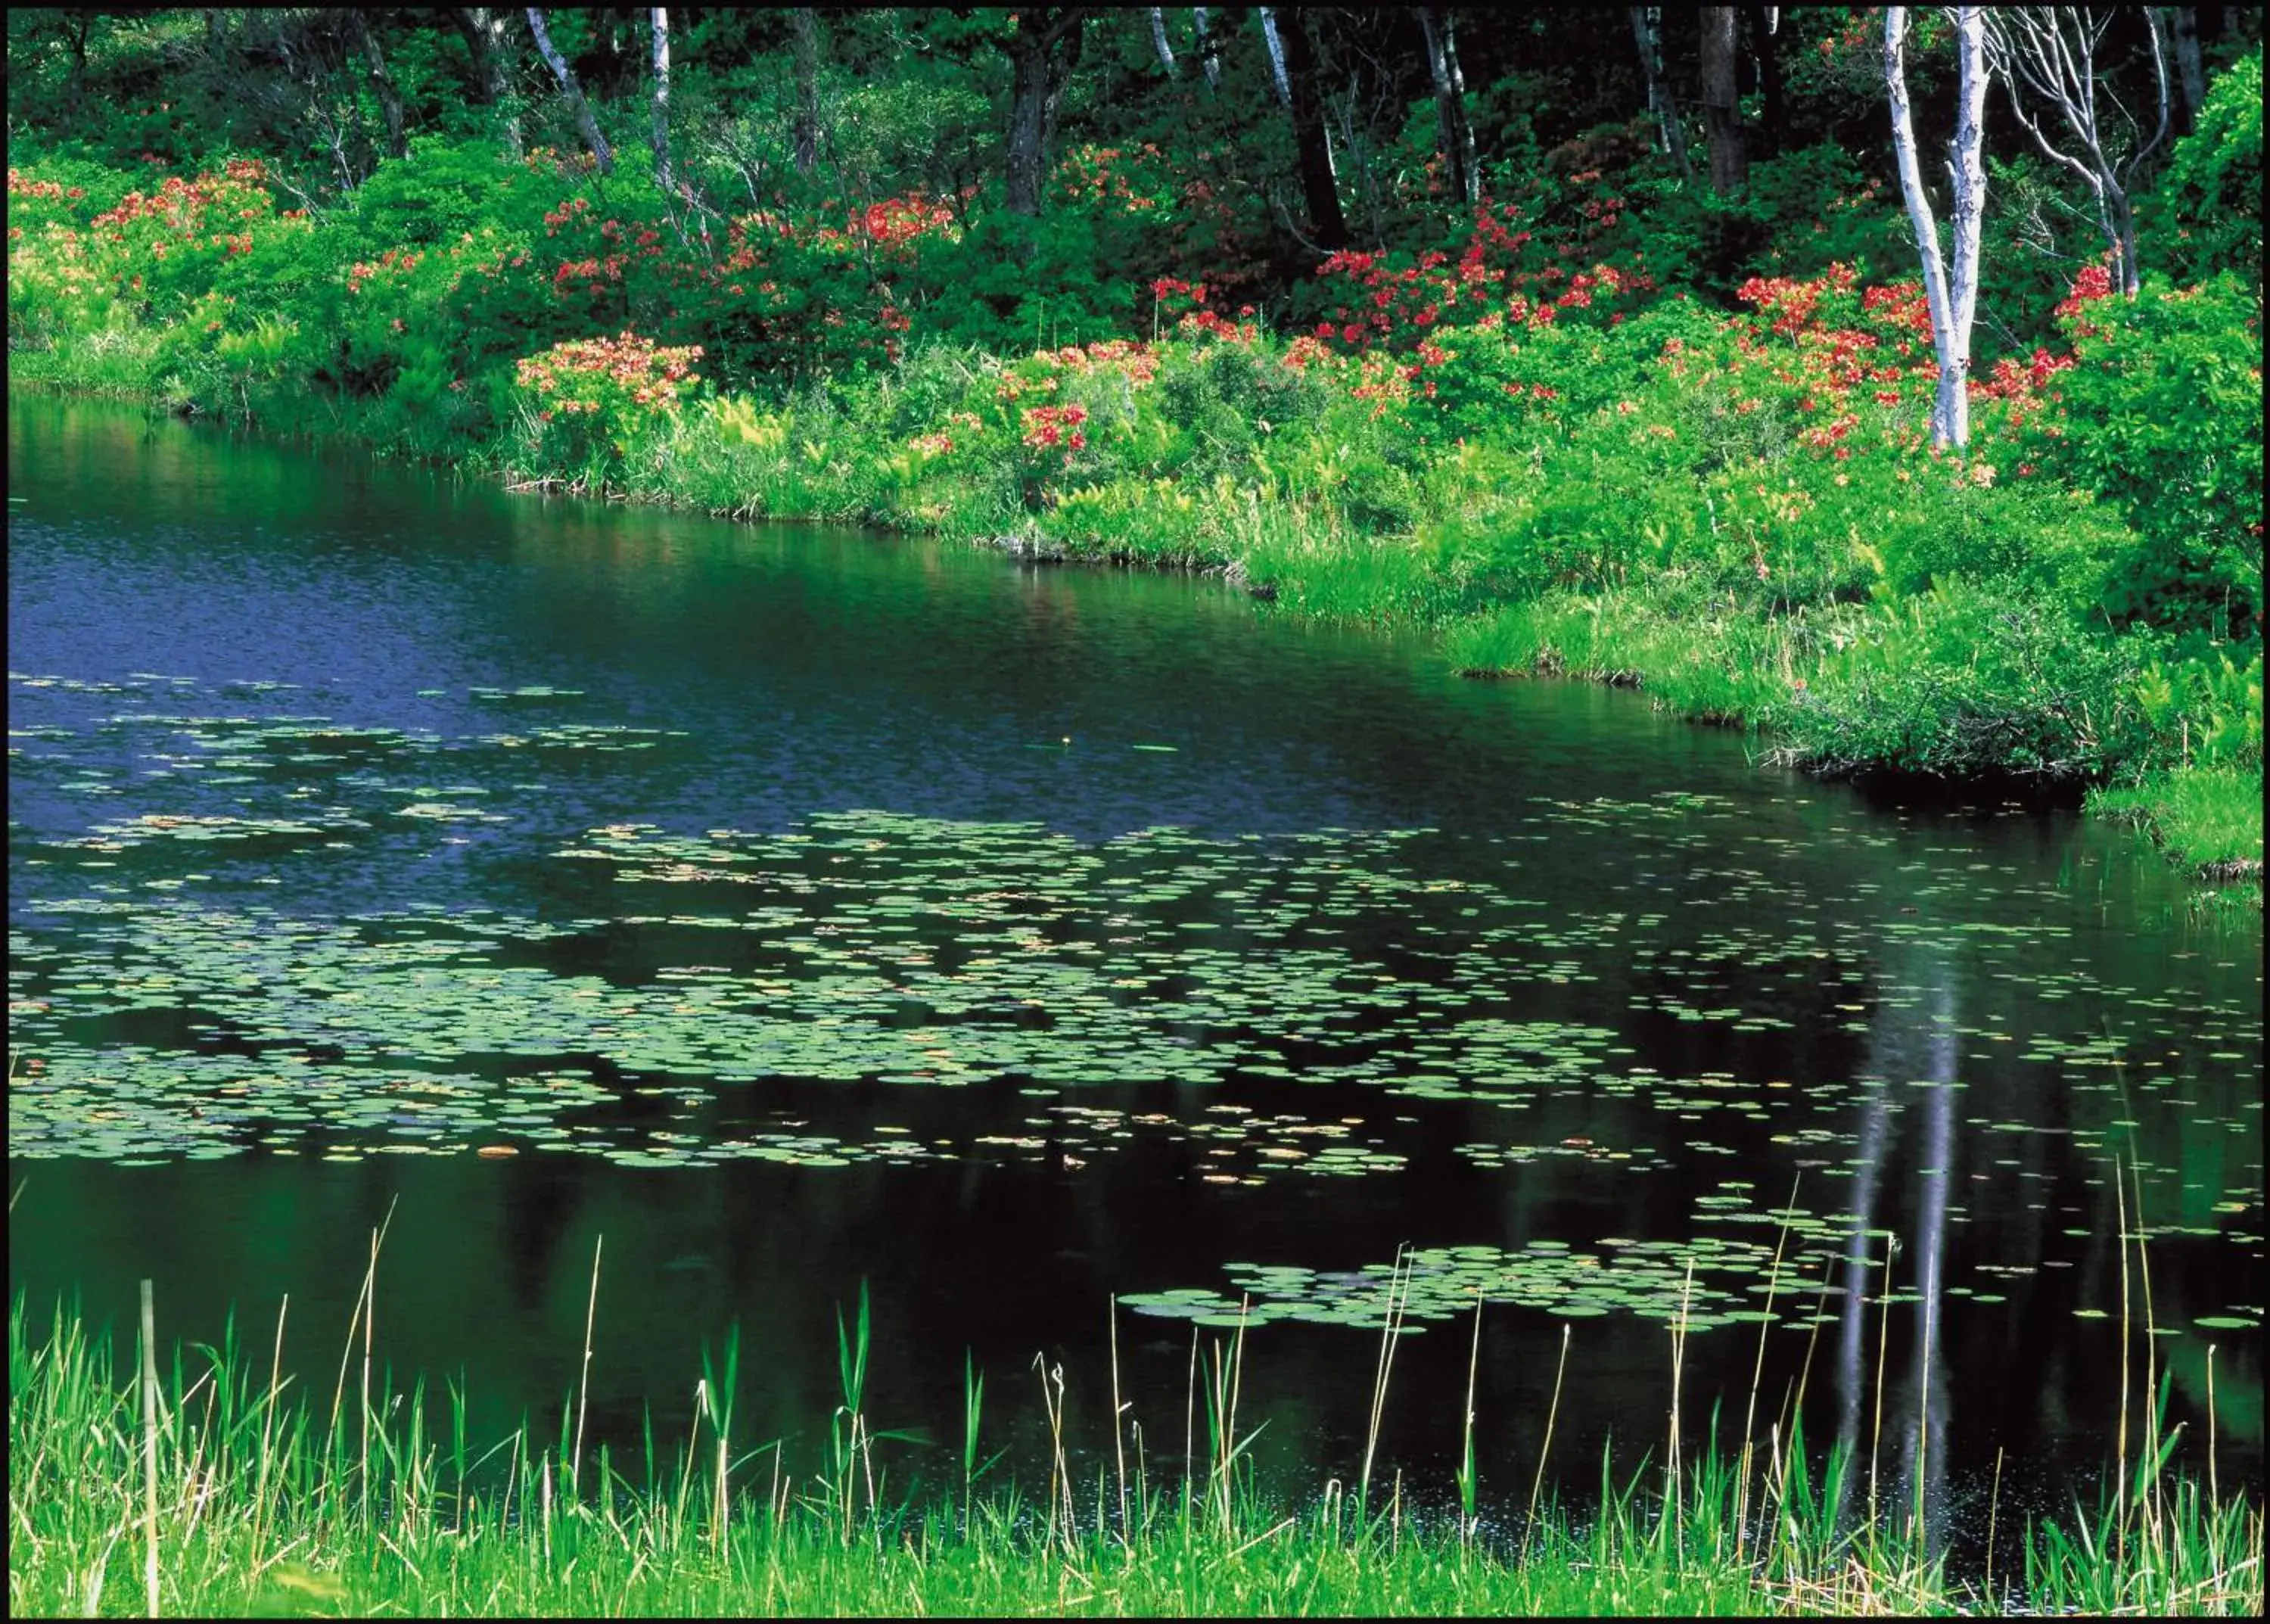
1923, 1464
1913, 1042
1867, 1173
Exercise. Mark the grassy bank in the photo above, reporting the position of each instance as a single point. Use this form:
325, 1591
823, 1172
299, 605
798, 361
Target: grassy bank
1563, 470
218, 1487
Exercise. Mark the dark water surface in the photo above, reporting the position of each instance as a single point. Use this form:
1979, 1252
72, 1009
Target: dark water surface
804, 908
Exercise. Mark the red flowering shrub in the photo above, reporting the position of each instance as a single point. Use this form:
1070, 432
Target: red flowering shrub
591, 397
1502, 269
169, 244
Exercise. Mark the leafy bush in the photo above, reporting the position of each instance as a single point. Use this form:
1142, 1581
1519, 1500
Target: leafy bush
2200, 706
441, 190
1966, 681
2163, 414
2206, 214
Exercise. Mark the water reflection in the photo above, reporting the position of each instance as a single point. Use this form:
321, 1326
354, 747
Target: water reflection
1913, 1051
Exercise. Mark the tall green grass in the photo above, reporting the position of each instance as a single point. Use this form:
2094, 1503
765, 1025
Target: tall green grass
2207, 817
208, 1481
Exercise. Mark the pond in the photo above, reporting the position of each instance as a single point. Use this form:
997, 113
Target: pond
798, 908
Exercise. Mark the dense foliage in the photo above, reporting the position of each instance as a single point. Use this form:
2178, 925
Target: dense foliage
1593, 417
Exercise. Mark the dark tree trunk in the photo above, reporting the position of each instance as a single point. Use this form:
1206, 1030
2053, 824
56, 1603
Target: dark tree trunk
1319, 187
1040, 54
1764, 39
601, 154
389, 96
82, 20
1721, 101
1456, 136
661, 133
804, 127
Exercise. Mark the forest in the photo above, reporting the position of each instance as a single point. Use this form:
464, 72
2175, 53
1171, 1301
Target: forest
1599, 340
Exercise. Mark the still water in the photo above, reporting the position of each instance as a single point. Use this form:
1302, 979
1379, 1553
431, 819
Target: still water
802, 908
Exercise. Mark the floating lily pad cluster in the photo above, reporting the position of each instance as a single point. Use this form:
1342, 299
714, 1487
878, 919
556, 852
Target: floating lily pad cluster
1704, 1282
1602, 988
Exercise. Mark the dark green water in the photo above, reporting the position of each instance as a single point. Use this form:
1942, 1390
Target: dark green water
803, 907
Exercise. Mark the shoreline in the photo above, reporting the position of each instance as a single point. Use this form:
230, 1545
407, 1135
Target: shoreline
2141, 808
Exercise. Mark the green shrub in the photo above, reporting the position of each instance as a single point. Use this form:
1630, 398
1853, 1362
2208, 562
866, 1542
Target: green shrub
441, 190
1900, 525
2163, 416
2199, 706
1968, 680
2206, 214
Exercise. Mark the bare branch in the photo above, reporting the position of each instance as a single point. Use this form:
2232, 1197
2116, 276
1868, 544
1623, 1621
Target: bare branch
2049, 54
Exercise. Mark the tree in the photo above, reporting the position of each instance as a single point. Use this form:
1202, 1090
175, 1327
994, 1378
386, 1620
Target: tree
1647, 32
1042, 49
803, 127
390, 97
1765, 38
1951, 289
1165, 52
661, 135
1292, 61
2182, 23
601, 154
2049, 54
1209, 59
484, 28
1457, 137
1722, 104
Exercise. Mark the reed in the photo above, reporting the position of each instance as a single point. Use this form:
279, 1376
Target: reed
1544, 1450
251, 1503
1398, 1293
1468, 1477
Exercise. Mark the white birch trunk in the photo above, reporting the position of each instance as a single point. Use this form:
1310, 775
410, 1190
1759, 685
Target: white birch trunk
1166, 52
1282, 79
1647, 32
662, 99
601, 153
1951, 292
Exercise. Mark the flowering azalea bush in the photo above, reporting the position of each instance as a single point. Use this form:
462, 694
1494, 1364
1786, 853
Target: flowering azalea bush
177, 236
591, 401
1393, 300
56, 284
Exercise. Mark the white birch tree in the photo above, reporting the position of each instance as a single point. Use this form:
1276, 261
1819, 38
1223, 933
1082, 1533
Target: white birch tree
1950, 286
1209, 62
602, 155
1647, 32
2047, 58
660, 131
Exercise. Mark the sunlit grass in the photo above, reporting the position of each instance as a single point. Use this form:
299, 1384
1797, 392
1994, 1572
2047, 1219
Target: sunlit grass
2208, 817
269, 1499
